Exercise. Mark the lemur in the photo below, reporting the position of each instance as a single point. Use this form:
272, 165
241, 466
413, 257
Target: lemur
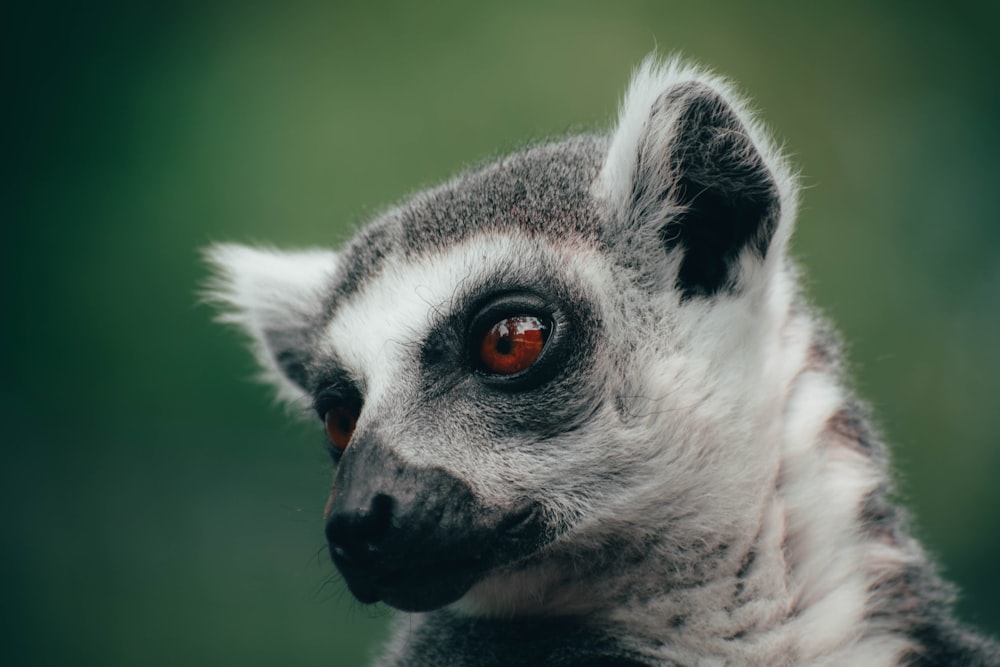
581, 413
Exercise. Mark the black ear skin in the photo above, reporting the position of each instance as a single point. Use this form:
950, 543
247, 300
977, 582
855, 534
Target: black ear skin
720, 195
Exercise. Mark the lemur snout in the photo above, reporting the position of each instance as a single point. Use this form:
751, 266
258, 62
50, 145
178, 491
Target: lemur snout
416, 537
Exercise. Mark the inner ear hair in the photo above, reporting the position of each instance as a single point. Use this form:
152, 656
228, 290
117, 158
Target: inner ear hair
697, 162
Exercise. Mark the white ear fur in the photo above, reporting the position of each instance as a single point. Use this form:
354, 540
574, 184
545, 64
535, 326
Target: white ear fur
274, 296
650, 79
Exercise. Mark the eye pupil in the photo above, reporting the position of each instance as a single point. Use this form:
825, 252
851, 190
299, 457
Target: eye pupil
513, 344
503, 345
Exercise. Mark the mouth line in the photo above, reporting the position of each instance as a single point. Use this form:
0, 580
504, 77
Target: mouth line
517, 526
437, 569
401, 576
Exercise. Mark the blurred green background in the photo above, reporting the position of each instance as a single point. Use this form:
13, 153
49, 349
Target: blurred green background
159, 510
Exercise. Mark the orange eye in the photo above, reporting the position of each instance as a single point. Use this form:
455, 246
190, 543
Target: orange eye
513, 344
340, 423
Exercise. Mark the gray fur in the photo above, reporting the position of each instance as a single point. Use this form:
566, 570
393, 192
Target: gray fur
681, 478
542, 191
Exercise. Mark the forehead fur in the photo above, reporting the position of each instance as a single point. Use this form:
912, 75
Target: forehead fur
540, 192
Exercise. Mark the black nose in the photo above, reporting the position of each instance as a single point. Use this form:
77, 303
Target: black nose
356, 534
415, 537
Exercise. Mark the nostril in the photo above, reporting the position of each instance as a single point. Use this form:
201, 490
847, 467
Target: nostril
376, 523
356, 534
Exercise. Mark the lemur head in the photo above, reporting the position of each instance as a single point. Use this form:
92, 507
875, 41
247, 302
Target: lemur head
559, 357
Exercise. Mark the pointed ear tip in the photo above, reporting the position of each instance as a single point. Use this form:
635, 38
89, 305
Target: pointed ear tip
676, 82
696, 84
224, 287
666, 72
222, 256
220, 292
220, 283
228, 261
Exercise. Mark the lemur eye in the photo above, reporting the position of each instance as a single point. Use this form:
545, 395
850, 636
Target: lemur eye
513, 344
340, 422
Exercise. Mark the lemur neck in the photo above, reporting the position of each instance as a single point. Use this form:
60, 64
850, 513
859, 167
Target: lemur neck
805, 588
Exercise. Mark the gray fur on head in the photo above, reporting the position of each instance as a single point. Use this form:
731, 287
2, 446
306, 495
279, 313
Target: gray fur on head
677, 474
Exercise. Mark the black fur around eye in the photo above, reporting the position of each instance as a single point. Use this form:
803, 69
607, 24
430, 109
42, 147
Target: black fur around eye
513, 341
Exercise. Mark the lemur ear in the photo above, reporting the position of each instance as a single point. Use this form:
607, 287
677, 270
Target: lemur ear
277, 299
688, 166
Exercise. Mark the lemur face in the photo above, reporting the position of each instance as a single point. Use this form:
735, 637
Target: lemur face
537, 358
451, 428
460, 390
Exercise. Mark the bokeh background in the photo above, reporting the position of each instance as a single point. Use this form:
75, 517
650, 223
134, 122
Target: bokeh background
159, 510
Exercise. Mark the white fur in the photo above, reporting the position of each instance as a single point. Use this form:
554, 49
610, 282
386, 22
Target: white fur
258, 288
376, 333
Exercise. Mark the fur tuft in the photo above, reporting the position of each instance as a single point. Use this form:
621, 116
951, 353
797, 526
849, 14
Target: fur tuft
273, 297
